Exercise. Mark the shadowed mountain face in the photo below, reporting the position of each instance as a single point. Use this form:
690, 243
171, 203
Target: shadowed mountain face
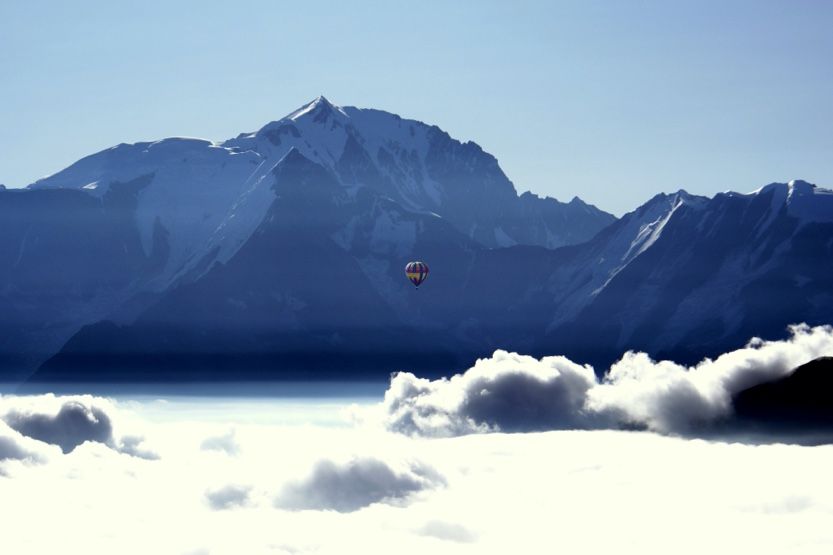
66, 258
294, 297
280, 253
801, 401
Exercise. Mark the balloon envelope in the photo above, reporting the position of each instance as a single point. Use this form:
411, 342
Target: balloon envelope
416, 272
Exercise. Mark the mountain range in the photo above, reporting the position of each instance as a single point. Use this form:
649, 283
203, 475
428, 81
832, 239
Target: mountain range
280, 253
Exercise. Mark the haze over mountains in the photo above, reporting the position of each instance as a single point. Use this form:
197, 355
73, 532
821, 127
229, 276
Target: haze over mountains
280, 254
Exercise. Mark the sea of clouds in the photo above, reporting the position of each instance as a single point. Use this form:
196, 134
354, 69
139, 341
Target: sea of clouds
428, 469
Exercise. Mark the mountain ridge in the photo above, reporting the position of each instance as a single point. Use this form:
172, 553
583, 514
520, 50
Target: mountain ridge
467, 314
196, 225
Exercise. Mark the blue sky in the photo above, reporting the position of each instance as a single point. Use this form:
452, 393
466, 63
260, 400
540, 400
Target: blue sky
610, 101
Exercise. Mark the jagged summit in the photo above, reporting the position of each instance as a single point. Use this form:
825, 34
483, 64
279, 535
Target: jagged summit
318, 109
322, 100
668, 201
424, 169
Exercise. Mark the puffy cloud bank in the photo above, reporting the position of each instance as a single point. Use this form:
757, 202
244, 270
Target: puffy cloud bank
507, 392
72, 425
510, 392
63, 421
27, 423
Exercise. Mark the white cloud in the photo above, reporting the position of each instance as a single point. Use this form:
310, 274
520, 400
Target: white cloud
225, 443
74, 423
134, 446
14, 446
669, 397
508, 392
354, 484
228, 497
446, 531
9, 449
511, 392
66, 422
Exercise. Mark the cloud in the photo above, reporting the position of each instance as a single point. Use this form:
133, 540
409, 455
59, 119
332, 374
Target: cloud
13, 447
668, 397
447, 531
355, 484
508, 392
16, 447
133, 446
227, 443
515, 393
67, 422
73, 424
228, 497
9, 449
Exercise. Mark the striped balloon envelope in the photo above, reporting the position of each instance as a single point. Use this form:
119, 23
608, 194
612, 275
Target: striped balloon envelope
417, 272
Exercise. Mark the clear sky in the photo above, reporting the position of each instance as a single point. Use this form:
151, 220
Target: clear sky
611, 101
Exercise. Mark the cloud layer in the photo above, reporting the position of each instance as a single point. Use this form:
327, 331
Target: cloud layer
88, 469
303, 488
510, 392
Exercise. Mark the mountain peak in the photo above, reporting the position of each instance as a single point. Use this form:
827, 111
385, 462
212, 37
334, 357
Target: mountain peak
694, 201
797, 185
319, 109
672, 199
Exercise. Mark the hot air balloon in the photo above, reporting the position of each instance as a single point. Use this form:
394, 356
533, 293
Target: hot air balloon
417, 272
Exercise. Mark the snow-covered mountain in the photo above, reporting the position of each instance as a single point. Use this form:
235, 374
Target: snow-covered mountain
682, 276
687, 276
280, 252
317, 288
113, 231
426, 171
207, 198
